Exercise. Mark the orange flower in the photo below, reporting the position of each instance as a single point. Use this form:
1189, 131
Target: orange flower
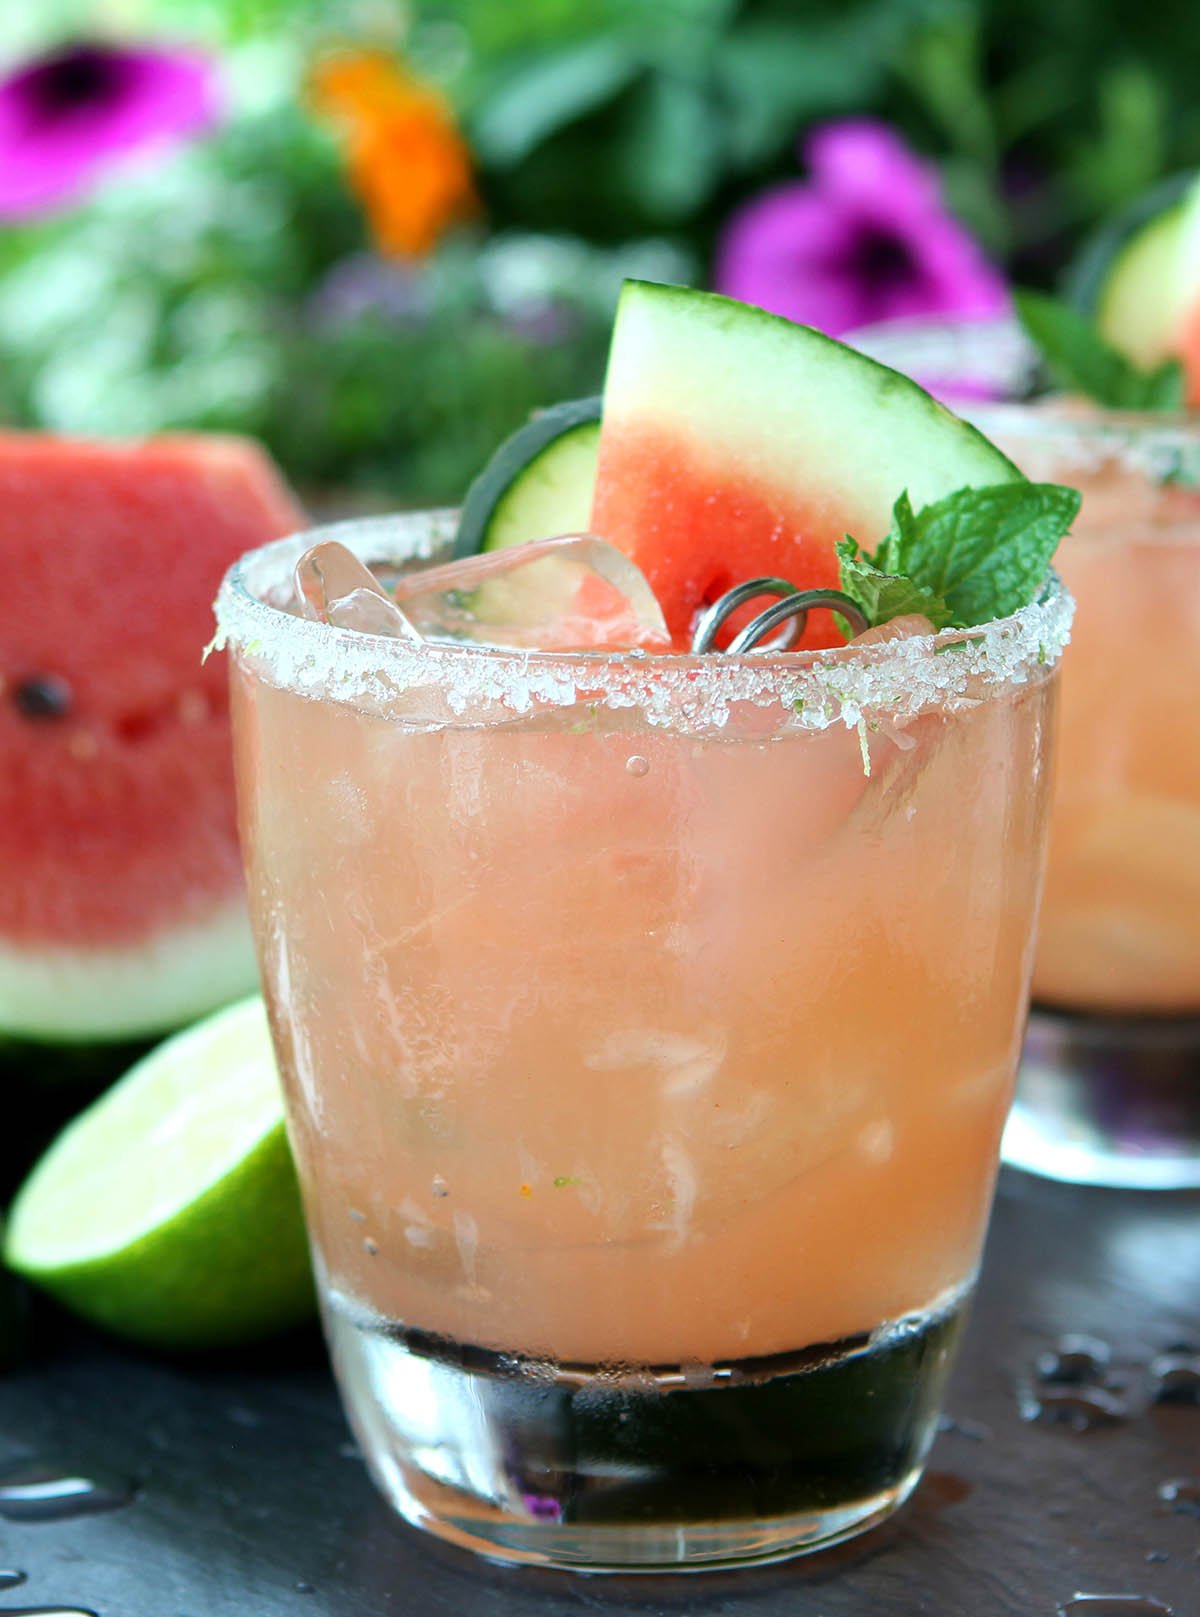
405, 158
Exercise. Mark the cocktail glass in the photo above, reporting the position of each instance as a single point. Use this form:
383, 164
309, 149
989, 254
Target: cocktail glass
1109, 1091
647, 1025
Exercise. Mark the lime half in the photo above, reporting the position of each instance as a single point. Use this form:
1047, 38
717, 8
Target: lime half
168, 1211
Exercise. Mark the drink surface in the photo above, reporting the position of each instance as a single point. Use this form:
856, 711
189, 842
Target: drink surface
1120, 927
612, 1043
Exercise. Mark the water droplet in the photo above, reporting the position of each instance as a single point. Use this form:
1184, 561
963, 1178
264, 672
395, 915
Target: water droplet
370, 1247
1078, 1407
637, 766
1175, 1377
303, 1588
1182, 1494
1075, 1359
1114, 1606
439, 1186
48, 1611
42, 696
1156, 1555
359, 1218
35, 1492
11, 1580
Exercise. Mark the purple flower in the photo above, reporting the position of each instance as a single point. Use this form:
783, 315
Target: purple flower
867, 237
368, 286
66, 117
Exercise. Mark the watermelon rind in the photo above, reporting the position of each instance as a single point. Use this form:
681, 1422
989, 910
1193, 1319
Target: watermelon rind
538, 483
71, 995
1140, 273
787, 405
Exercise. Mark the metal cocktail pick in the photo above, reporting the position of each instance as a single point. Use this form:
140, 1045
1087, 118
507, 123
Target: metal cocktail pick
791, 609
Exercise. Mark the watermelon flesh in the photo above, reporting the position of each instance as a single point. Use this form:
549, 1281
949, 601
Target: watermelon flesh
697, 530
120, 904
734, 445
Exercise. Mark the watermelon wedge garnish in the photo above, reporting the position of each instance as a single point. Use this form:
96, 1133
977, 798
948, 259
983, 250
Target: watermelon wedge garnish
735, 444
1139, 279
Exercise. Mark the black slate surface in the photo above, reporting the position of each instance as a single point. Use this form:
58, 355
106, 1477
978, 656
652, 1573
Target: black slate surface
252, 1503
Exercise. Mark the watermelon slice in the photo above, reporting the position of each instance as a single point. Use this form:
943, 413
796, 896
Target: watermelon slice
121, 910
735, 444
1139, 278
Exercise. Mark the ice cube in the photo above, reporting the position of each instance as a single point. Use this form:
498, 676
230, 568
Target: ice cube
333, 586
570, 593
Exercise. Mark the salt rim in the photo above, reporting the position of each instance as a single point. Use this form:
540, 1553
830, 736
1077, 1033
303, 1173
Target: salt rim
954, 669
1157, 446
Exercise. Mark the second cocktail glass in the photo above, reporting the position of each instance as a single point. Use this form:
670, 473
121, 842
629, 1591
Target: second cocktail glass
648, 1024
1110, 1083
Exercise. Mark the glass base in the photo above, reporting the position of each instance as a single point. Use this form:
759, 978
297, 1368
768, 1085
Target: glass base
1108, 1101
610, 1468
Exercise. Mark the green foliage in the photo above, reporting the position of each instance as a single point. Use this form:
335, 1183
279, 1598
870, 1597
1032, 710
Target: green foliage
616, 115
205, 291
231, 289
1082, 361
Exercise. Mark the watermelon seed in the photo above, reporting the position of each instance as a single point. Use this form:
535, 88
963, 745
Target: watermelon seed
43, 696
192, 707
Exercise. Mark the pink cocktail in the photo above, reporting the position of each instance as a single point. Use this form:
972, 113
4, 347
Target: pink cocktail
648, 1025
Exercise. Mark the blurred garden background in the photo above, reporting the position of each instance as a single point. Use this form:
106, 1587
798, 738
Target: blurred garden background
376, 234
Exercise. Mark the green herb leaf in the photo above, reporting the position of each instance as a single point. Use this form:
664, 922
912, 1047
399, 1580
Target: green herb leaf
1079, 358
1164, 388
889, 557
985, 551
883, 596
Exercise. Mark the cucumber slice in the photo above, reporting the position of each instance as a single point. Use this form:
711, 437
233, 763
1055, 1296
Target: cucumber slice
537, 484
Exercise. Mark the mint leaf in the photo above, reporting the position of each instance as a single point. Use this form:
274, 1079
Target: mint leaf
889, 557
1079, 358
884, 596
1163, 388
985, 551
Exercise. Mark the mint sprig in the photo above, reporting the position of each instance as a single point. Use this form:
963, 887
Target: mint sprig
1080, 359
974, 555
883, 596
